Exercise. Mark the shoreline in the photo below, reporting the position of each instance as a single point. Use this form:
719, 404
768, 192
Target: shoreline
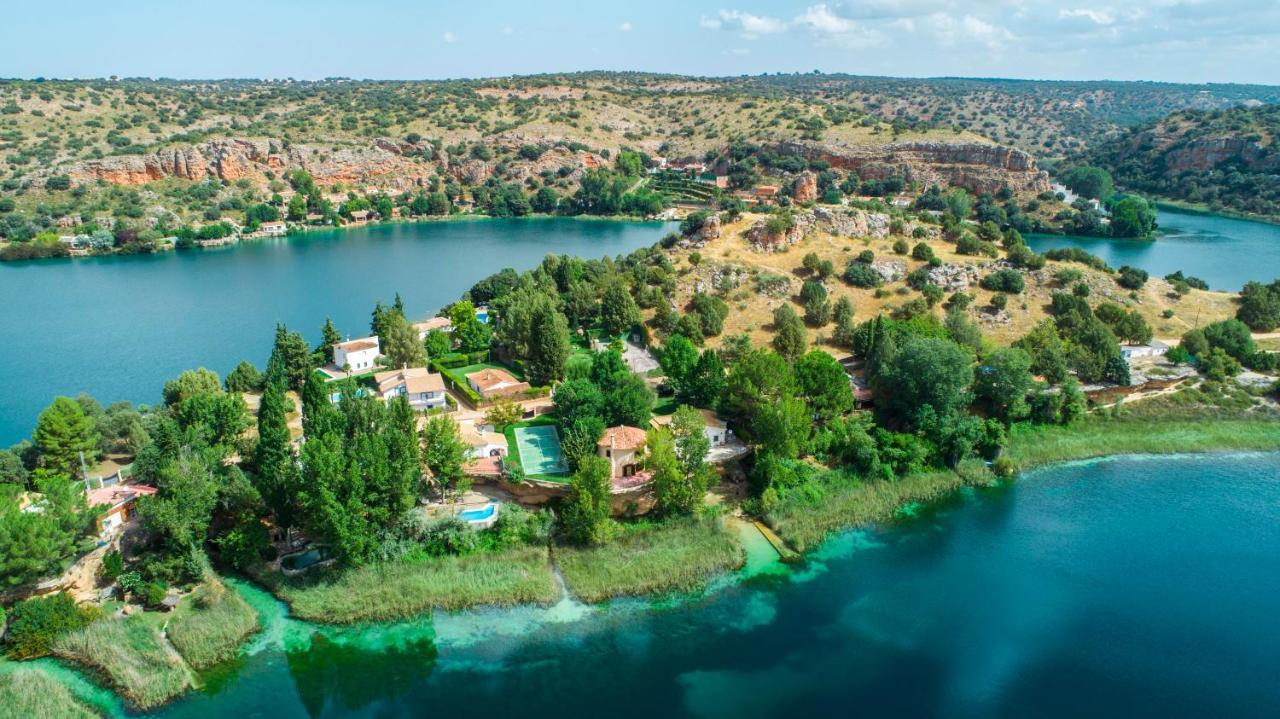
303, 230
1258, 436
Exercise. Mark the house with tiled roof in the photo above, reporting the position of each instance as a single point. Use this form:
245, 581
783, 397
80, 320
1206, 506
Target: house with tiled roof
357, 355
423, 388
623, 446
443, 324
120, 501
492, 382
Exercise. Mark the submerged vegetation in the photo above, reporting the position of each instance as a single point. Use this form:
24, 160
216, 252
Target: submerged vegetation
31, 692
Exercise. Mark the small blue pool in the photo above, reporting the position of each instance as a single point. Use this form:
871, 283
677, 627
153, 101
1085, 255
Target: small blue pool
302, 560
479, 515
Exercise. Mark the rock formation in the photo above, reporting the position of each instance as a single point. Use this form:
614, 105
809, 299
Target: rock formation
975, 166
805, 187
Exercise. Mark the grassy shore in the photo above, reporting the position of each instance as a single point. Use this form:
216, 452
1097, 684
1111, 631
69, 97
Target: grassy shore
209, 626
132, 656
30, 693
1031, 447
847, 501
400, 590
651, 558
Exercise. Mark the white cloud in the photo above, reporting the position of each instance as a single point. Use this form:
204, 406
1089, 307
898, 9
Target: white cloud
820, 18
747, 25
1097, 17
448, 36
508, 30
625, 26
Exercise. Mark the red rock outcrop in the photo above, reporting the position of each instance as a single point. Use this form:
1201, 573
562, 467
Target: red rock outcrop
974, 166
805, 187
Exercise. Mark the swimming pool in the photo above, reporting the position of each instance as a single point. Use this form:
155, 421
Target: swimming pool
302, 560
479, 515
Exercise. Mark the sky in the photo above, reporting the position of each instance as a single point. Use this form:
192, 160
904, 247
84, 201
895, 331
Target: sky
1163, 40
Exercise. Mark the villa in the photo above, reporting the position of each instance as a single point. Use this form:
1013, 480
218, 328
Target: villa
357, 355
484, 443
443, 324
423, 388
623, 446
121, 501
273, 229
491, 382
713, 427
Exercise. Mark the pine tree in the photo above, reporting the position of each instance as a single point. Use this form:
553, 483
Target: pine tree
549, 346
845, 329
273, 457
293, 355
63, 433
329, 337
618, 311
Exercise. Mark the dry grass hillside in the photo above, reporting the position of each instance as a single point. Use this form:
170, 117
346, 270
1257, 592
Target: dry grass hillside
751, 310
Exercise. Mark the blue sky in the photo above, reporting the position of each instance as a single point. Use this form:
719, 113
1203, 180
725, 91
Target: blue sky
1171, 40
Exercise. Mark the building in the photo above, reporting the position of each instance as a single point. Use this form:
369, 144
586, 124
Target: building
491, 382
121, 501
273, 229
713, 427
1154, 348
623, 446
423, 388
360, 215
766, 192
483, 442
356, 355
444, 324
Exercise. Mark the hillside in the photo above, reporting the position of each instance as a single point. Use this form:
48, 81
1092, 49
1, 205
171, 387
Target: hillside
1222, 159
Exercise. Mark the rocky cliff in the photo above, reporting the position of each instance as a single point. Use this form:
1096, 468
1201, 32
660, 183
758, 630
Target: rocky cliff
242, 158
977, 167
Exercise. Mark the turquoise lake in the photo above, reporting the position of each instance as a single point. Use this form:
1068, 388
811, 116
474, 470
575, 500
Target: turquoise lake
1223, 251
1135, 587
117, 327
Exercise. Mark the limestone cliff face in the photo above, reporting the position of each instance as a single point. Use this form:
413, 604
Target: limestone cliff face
974, 166
238, 158
1206, 154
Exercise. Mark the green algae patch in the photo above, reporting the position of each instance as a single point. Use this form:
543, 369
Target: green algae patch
404, 589
651, 558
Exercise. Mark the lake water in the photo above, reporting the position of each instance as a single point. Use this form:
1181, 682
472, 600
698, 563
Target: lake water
1223, 251
1134, 587
117, 327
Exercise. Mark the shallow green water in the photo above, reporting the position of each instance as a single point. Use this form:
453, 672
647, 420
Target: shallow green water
117, 327
1130, 587
1223, 251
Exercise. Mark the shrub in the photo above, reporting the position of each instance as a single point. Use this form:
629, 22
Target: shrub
900, 247
866, 256
38, 623
921, 252
999, 300
860, 274
1004, 281
1132, 278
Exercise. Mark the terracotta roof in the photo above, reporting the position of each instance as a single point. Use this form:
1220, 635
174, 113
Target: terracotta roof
489, 379
414, 379
468, 433
366, 343
435, 323
118, 494
709, 418
622, 437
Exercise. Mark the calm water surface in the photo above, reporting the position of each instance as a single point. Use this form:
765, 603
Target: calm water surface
1125, 588
1223, 251
118, 327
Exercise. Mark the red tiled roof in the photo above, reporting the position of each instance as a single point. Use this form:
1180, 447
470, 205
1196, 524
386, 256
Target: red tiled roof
622, 437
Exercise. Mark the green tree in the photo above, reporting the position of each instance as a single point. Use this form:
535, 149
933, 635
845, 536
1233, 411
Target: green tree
706, 382
189, 384
629, 401
585, 519
1086, 181
437, 343
1002, 382
789, 339
758, 379
844, 330
64, 433
444, 452
923, 372
678, 358
277, 472
469, 332
1132, 217
825, 385
549, 350
244, 378
329, 336
400, 343
1260, 306
294, 355
618, 311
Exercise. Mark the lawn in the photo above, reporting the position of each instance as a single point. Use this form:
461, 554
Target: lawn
406, 589
673, 556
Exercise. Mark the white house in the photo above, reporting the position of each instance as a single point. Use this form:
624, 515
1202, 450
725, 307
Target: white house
1154, 348
423, 388
713, 427
483, 441
273, 229
357, 355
